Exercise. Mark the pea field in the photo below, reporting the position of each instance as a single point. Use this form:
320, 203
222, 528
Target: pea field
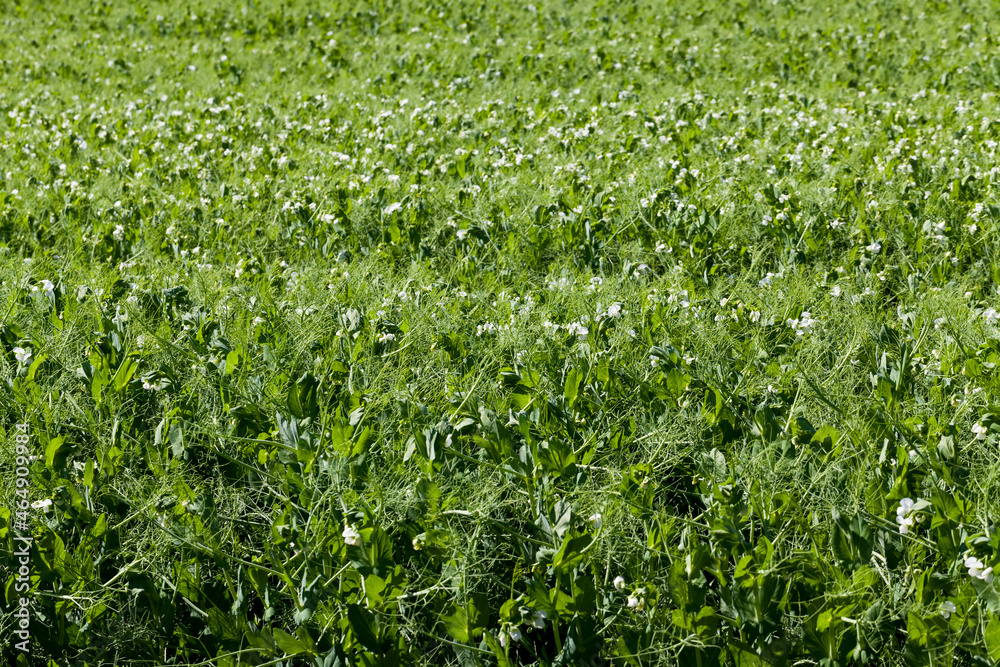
485, 333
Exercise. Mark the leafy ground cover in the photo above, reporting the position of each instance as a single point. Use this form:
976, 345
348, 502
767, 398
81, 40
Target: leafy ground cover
471, 333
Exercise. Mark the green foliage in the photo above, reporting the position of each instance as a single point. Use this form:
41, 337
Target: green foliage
485, 333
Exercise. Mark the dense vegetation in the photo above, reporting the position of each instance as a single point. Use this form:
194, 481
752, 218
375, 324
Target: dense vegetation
483, 333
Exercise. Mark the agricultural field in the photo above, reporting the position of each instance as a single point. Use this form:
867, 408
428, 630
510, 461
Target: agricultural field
479, 333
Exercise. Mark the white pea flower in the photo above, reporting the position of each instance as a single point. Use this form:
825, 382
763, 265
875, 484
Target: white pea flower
633, 601
392, 208
948, 608
538, 619
22, 355
803, 325
902, 515
978, 569
42, 504
595, 521
619, 582
980, 431
351, 536
512, 634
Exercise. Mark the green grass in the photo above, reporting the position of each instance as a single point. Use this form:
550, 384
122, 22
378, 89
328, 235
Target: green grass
365, 334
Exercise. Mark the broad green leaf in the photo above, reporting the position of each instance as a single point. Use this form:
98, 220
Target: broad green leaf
88, 474
35, 365
992, 637
572, 386
287, 643
456, 622
363, 624
125, 372
232, 361
572, 551
54, 453
176, 437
